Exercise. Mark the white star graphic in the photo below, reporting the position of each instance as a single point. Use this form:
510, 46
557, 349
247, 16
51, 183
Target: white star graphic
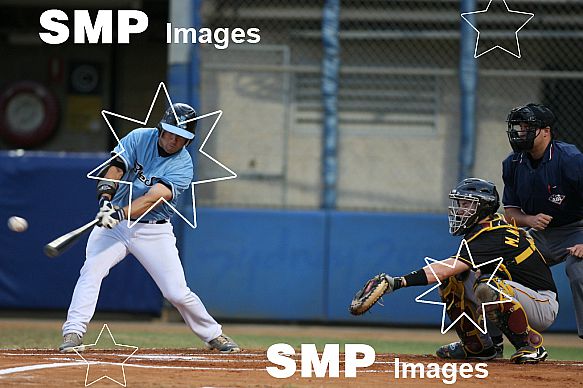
90, 363
430, 262
476, 55
218, 114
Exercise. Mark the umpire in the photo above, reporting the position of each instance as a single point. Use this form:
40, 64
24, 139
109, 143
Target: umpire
543, 191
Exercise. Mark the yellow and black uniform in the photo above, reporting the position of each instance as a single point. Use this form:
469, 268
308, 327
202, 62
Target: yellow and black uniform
508, 288
522, 262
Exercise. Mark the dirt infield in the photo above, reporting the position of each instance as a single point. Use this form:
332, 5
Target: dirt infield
198, 368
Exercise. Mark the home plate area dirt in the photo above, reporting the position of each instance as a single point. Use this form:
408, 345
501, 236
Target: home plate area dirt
205, 368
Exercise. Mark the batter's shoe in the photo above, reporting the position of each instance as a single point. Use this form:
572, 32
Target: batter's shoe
457, 351
224, 344
529, 355
72, 342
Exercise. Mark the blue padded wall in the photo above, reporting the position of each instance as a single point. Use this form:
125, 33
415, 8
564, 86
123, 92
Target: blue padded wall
260, 264
53, 193
306, 266
364, 244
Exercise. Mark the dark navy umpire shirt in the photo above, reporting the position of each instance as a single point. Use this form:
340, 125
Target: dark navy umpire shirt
554, 187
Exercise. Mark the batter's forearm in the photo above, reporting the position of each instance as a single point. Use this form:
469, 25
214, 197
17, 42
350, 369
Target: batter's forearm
106, 188
114, 173
139, 206
142, 204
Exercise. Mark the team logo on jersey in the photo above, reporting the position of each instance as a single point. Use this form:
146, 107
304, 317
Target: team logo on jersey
139, 170
557, 198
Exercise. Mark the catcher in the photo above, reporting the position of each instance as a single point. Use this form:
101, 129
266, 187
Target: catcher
522, 275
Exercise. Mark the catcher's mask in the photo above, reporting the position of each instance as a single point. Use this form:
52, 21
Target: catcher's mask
524, 124
178, 119
471, 201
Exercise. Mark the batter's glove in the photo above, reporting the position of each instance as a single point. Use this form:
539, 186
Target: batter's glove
109, 216
372, 291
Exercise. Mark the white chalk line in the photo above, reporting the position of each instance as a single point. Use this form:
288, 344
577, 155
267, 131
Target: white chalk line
168, 359
28, 368
218, 355
238, 357
157, 357
164, 357
161, 357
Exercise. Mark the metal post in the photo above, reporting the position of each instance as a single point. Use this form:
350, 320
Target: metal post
330, 71
468, 76
194, 73
179, 53
184, 80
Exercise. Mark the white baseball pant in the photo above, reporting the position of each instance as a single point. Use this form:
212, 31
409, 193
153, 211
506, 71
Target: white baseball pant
154, 246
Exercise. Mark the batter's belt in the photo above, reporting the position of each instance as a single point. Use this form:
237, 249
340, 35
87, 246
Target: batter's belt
151, 221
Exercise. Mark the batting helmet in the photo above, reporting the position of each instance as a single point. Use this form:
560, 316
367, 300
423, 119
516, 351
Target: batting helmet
481, 200
178, 119
524, 123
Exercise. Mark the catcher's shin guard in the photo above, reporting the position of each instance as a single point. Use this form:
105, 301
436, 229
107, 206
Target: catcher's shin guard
474, 342
511, 319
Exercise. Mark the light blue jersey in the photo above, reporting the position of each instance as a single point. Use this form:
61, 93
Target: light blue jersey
145, 167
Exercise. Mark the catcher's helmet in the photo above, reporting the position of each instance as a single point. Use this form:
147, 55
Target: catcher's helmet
481, 200
524, 122
185, 126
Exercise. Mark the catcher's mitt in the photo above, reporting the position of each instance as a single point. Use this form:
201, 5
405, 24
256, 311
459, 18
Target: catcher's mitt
372, 291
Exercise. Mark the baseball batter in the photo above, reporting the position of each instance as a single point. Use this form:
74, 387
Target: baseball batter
157, 164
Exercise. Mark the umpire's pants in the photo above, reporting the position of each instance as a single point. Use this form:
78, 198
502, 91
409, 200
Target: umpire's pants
553, 243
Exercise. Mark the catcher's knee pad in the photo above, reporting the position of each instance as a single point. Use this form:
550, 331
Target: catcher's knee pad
453, 294
508, 316
485, 293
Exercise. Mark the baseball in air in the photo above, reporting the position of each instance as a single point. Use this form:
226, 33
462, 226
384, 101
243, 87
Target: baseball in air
17, 224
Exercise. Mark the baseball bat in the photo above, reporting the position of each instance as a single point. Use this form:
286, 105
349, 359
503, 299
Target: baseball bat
61, 244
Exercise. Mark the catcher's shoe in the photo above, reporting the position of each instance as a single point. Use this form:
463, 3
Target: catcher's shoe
224, 344
499, 350
457, 351
72, 342
529, 355
498, 345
